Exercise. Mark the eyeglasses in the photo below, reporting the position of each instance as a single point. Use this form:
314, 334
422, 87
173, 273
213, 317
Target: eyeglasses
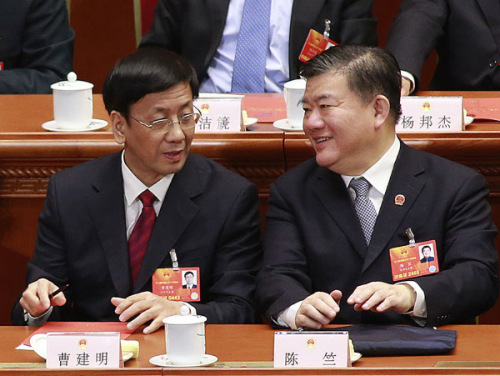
186, 122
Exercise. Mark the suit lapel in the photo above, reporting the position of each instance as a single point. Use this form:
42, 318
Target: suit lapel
406, 180
176, 213
491, 11
332, 192
217, 13
303, 13
107, 211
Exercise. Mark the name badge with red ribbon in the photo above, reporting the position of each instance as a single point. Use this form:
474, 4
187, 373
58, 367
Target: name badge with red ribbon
177, 284
315, 44
414, 260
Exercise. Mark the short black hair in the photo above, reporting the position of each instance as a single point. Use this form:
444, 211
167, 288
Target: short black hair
188, 272
370, 71
148, 70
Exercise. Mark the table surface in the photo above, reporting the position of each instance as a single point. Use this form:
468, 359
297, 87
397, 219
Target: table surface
24, 114
250, 347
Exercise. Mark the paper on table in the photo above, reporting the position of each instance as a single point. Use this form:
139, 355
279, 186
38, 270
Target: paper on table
482, 108
267, 109
60, 326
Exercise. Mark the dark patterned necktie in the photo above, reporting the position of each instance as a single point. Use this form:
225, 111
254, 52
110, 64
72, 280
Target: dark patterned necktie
139, 239
364, 207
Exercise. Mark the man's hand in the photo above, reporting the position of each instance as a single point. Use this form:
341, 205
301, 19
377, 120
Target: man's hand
147, 307
382, 297
35, 299
405, 86
318, 309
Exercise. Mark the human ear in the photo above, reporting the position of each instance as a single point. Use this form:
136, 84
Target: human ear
118, 124
382, 109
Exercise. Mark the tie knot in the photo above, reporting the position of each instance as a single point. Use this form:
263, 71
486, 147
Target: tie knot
147, 198
360, 186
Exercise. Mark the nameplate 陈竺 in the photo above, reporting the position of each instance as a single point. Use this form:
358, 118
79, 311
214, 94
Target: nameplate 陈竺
84, 350
219, 113
310, 349
431, 115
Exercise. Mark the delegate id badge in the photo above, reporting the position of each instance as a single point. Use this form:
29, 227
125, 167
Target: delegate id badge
315, 44
177, 284
414, 260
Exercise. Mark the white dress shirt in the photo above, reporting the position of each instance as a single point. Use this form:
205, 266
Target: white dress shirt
277, 64
410, 77
133, 187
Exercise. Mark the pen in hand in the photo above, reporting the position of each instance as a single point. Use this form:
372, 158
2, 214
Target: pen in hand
60, 289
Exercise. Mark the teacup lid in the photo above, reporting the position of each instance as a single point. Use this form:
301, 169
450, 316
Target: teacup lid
184, 319
72, 84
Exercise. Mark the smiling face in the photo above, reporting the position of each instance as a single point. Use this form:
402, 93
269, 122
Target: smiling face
151, 156
344, 131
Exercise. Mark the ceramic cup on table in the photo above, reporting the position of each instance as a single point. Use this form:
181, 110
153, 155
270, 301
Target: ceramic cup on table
185, 339
293, 91
72, 103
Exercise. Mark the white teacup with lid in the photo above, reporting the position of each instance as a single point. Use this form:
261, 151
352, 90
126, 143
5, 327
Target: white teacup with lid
293, 91
185, 339
72, 103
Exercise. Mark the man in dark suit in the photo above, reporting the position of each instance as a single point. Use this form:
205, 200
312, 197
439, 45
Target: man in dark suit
322, 260
208, 214
206, 32
36, 45
464, 34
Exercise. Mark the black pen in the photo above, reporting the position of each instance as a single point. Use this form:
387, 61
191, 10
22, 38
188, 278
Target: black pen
60, 289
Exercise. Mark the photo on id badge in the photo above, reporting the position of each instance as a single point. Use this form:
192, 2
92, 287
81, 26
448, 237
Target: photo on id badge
414, 260
178, 284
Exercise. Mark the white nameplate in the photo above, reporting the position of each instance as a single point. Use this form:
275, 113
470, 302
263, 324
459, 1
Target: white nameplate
219, 112
431, 114
84, 350
311, 349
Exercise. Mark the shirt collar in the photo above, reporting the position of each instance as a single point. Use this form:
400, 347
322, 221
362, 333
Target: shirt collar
133, 187
380, 173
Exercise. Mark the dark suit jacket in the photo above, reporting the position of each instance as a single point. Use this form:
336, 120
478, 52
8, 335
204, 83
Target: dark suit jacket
466, 35
210, 216
36, 45
194, 28
314, 242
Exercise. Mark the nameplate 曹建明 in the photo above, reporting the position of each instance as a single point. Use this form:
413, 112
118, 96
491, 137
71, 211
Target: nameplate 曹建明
84, 350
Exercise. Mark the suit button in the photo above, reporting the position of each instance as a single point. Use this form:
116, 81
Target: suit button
493, 63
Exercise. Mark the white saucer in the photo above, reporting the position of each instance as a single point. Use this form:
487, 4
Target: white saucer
468, 120
39, 345
127, 355
355, 357
284, 125
250, 121
94, 125
162, 361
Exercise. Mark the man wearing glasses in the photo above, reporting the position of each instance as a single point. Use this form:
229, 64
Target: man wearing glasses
198, 214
